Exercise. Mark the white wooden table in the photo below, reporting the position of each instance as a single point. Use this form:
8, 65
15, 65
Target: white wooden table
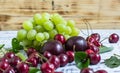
6, 36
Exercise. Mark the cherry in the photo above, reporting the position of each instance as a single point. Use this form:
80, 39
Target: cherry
90, 39
35, 55
101, 71
58, 72
93, 47
55, 61
63, 59
15, 60
47, 68
60, 37
96, 36
9, 70
87, 70
113, 38
94, 58
70, 55
4, 59
89, 51
47, 54
22, 67
4, 65
30, 51
32, 61
9, 55
97, 43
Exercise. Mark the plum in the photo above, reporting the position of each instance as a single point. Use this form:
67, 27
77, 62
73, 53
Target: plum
76, 43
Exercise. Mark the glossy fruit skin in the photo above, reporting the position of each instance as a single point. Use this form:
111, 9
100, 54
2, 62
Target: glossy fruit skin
70, 55
9, 70
60, 37
55, 61
76, 43
94, 58
4, 59
35, 55
4, 65
96, 36
101, 71
113, 38
54, 47
63, 59
14, 61
47, 68
87, 70
9, 55
33, 62
22, 67
89, 51
47, 54
30, 51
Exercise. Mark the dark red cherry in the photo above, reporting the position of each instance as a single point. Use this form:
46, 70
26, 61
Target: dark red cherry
87, 70
32, 62
9, 70
14, 61
4, 65
96, 36
47, 68
60, 37
30, 51
89, 51
101, 71
63, 59
70, 55
113, 38
47, 54
9, 55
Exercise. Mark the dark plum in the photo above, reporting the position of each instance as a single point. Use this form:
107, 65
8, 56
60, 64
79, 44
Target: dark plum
54, 47
113, 38
87, 70
76, 43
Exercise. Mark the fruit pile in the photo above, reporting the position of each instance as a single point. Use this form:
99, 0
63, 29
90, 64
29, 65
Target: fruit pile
57, 44
43, 27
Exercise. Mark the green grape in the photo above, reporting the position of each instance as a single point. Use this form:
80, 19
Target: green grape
67, 36
68, 30
33, 22
71, 23
40, 37
27, 25
21, 34
52, 33
46, 34
36, 43
46, 16
48, 25
38, 19
61, 28
39, 28
31, 34
26, 42
75, 32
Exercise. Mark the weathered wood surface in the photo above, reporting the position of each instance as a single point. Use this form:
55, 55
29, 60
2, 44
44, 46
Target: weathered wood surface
101, 14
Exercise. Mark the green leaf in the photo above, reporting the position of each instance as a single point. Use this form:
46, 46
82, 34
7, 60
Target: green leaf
81, 60
34, 70
104, 49
1, 46
16, 45
112, 62
21, 56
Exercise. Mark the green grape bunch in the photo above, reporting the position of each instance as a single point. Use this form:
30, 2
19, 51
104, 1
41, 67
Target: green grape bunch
43, 27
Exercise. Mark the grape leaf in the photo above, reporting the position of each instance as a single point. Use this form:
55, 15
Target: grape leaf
16, 45
34, 70
112, 62
104, 49
81, 60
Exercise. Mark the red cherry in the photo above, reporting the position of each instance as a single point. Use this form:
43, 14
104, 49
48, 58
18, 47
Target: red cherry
55, 61
97, 43
60, 37
9, 55
47, 68
32, 61
87, 70
63, 59
113, 38
9, 70
30, 51
47, 54
96, 36
14, 61
70, 55
35, 55
89, 51
93, 47
22, 67
94, 58
4, 65
101, 71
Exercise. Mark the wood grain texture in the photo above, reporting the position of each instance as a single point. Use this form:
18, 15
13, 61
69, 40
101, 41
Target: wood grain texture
101, 14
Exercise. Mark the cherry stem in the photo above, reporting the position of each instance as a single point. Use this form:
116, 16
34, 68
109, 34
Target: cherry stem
41, 56
103, 39
83, 33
